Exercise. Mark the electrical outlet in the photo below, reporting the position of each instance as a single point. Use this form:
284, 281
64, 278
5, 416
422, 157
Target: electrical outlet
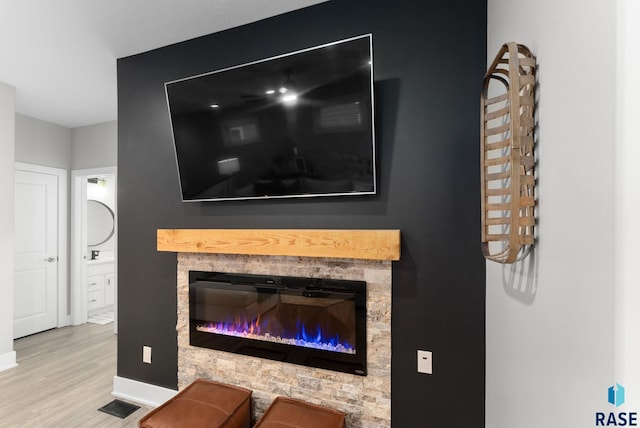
146, 354
425, 362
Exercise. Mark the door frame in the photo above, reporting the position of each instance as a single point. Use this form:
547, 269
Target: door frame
63, 315
78, 243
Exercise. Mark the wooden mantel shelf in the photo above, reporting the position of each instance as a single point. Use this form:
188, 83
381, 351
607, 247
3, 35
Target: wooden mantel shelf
347, 244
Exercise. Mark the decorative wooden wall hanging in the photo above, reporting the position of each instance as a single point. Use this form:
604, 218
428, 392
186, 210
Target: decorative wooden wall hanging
506, 156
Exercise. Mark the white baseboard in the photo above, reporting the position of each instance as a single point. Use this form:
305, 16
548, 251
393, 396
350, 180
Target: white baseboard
140, 392
8, 361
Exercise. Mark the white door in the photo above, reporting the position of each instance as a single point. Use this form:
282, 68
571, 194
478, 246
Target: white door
36, 247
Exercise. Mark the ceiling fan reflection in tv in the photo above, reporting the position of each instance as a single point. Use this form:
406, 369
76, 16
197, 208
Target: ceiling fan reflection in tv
295, 125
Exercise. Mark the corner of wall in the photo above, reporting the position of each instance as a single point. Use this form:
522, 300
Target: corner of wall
7, 156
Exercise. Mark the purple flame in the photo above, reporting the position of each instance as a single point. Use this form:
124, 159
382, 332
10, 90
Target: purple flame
254, 330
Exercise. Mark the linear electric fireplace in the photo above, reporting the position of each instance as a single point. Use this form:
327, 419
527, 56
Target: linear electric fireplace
308, 321
350, 255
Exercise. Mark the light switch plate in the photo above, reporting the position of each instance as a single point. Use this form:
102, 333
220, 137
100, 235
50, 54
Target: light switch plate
146, 354
425, 362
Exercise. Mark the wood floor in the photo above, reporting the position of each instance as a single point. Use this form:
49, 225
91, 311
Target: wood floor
63, 376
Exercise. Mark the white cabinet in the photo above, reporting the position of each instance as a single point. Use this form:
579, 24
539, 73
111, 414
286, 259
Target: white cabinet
100, 285
109, 288
95, 292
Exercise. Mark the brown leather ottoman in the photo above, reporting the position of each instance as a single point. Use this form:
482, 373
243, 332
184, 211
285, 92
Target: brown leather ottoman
203, 403
289, 413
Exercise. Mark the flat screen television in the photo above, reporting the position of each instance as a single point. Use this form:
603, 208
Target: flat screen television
294, 125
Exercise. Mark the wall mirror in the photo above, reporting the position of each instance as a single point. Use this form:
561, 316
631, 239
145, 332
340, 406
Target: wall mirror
100, 223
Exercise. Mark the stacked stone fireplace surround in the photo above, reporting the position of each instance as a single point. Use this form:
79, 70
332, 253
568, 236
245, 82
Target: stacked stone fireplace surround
365, 399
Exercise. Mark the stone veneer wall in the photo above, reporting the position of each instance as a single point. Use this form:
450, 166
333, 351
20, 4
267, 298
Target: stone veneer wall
365, 399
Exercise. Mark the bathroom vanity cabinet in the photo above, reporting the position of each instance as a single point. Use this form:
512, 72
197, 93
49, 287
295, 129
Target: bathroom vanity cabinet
100, 285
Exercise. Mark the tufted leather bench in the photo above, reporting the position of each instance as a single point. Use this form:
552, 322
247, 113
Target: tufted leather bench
289, 413
203, 403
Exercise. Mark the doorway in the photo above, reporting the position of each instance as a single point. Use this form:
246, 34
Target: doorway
40, 292
94, 245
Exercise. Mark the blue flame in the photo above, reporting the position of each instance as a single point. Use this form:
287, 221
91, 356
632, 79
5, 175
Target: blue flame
307, 339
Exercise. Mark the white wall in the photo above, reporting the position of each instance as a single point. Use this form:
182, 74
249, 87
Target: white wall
42, 143
95, 146
627, 225
550, 319
7, 153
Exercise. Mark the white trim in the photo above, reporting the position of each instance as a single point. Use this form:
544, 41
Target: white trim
107, 170
8, 361
61, 174
140, 392
78, 270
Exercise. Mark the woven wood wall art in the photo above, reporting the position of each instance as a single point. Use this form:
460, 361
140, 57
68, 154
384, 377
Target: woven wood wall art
507, 155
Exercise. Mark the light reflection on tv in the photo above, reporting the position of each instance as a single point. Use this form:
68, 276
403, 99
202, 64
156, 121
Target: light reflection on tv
296, 125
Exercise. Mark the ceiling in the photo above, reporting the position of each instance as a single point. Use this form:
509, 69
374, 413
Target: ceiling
61, 55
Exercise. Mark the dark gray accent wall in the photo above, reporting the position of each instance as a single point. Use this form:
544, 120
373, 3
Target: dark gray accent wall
429, 59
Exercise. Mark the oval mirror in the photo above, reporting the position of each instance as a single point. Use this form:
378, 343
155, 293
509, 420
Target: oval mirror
100, 223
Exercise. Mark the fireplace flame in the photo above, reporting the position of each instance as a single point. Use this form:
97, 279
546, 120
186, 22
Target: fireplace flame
253, 329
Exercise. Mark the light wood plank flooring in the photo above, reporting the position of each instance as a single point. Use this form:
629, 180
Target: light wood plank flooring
63, 376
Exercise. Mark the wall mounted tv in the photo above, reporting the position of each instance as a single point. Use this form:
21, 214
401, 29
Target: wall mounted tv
294, 125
